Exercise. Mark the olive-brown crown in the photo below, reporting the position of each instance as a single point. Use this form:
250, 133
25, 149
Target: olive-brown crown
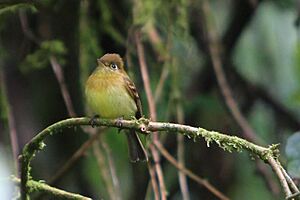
111, 58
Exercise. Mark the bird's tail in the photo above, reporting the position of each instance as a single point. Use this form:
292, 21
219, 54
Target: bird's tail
135, 147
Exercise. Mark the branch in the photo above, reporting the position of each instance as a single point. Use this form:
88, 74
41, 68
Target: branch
102, 164
57, 69
73, 159
43, 187
112, 169
189, 173
152, 110
11, 122
215, 53
226, 142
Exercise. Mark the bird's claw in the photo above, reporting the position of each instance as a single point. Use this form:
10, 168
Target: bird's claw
93, 120
119, 123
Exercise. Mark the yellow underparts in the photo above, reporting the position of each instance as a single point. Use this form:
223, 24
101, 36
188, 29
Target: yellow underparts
107, 95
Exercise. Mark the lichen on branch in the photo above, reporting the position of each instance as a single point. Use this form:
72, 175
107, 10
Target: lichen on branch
145, 126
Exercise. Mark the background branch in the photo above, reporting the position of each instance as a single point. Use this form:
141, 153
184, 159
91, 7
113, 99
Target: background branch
11, 123
216, 54
152, 110
189, 173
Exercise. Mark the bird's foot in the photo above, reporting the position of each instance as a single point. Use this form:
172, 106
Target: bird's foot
93, 120
119, 123
133, 118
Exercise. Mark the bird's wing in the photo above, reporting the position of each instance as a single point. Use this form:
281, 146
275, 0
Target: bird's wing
134, 94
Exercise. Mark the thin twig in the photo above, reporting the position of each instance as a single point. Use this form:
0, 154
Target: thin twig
159, 172
73, 159
176, 92
112, 168
297, 195
25, 28
289, 180
152, 110
103, 169
154, 184
11, 123
162, 79
277, 169
163, 55
153, 181
189, 173
145, 76
262, 170
57, 69
180, 153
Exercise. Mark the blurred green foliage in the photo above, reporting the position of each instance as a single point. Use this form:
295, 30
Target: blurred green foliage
40, 58
267, 55
9, 9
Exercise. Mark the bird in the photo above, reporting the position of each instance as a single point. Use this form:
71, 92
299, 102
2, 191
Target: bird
111, 94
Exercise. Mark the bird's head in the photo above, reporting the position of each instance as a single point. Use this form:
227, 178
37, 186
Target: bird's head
112, 62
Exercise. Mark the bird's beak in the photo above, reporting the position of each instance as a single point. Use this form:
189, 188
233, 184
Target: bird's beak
100, 63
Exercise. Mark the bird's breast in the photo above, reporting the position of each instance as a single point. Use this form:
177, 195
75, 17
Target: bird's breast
107, 96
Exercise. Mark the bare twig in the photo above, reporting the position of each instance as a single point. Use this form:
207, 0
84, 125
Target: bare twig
277, 169
145, 76
161, 83
152, 109
57, 69
297, 194
180, 153
112, 168
11, 123
153, 181
103, 169
267, 175
189, 173
176, 96
289, 180
25, 28
74, 158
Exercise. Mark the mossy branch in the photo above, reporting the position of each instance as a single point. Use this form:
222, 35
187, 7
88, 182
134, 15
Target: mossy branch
43, 187
226, 142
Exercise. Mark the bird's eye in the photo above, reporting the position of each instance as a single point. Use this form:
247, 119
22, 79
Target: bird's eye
114, 66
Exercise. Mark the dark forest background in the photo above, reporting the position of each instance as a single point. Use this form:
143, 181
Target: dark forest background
48, 49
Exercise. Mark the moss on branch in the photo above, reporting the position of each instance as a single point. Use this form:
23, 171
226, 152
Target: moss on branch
43, 187
226, 142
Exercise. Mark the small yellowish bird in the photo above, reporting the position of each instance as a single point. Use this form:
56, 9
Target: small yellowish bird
111, 94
